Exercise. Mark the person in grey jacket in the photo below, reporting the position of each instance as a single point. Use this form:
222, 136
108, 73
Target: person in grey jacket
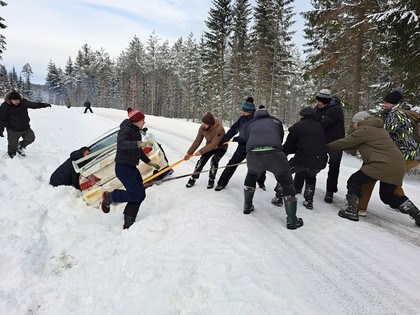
14, 117
264, 138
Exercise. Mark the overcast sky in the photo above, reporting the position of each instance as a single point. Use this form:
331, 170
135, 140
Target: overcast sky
44, 30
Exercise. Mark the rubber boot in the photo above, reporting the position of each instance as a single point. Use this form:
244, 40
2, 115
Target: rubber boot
248, 197
407, 207
128, 221
309, 196
290, 204
352, 209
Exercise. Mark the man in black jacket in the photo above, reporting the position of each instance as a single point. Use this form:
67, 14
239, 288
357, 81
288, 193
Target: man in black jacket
14, 117
129, 153
306, 140
65, 175
329, 113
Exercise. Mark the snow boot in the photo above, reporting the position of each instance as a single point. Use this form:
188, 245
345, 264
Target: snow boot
407, 207
128, 221
190, 183
352, 209
210, 185
20, 150
290, 204
309, 196
328, 197
219, 188
106, 201
248, 196
278, 199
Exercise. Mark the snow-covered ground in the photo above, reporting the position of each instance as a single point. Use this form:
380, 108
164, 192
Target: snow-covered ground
191, 251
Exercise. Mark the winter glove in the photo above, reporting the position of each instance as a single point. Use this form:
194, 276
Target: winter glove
235, 139
142, 144
155, 165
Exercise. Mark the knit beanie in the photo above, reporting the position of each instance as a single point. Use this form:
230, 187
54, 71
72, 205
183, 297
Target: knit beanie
208, 119
248, 107
324, 96
250, 99
393, 97
134, 115
14, 96
360, 116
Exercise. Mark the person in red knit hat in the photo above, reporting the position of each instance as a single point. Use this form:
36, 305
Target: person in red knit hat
129, 153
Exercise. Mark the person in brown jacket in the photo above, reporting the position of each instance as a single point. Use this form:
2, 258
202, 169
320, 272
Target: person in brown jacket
382, 160
212, 130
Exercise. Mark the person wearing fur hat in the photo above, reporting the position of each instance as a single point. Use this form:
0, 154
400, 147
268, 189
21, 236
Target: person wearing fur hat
239, 127
15, 118
329, 112
129, 153
382, 160
400, 128
306, 139
212, 130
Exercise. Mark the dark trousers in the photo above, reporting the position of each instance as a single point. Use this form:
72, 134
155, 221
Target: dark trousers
88, 108
334, 162
386, 191
308, 175
274, 161
134, 192
215, 156
28, 136
228, 172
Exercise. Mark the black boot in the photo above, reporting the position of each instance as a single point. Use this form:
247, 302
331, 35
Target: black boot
309, 196
278, 199
106, 201
210, 185
290, 204
248, 196
352, 209
407, 207
128, 221
190, 183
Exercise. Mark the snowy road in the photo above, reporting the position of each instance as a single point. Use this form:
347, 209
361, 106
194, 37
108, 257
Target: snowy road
191, 251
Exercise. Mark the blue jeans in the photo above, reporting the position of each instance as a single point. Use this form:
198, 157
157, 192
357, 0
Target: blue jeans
134, 192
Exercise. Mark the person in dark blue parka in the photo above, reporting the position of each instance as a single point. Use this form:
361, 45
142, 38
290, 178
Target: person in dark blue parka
65, 175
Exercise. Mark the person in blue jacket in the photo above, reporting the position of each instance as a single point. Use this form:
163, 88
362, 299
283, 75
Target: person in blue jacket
239, 127
65, 175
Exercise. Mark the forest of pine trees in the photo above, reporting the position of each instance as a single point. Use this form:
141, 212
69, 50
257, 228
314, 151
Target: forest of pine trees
360, 49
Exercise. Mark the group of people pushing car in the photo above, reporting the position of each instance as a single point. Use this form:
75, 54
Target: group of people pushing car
317, 138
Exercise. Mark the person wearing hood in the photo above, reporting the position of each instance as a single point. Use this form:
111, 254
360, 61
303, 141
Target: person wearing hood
264, 137
400, 129
129, 153
239, 127
65, 175
329, 112
382, 160
212, 130
15, 118
306, 140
